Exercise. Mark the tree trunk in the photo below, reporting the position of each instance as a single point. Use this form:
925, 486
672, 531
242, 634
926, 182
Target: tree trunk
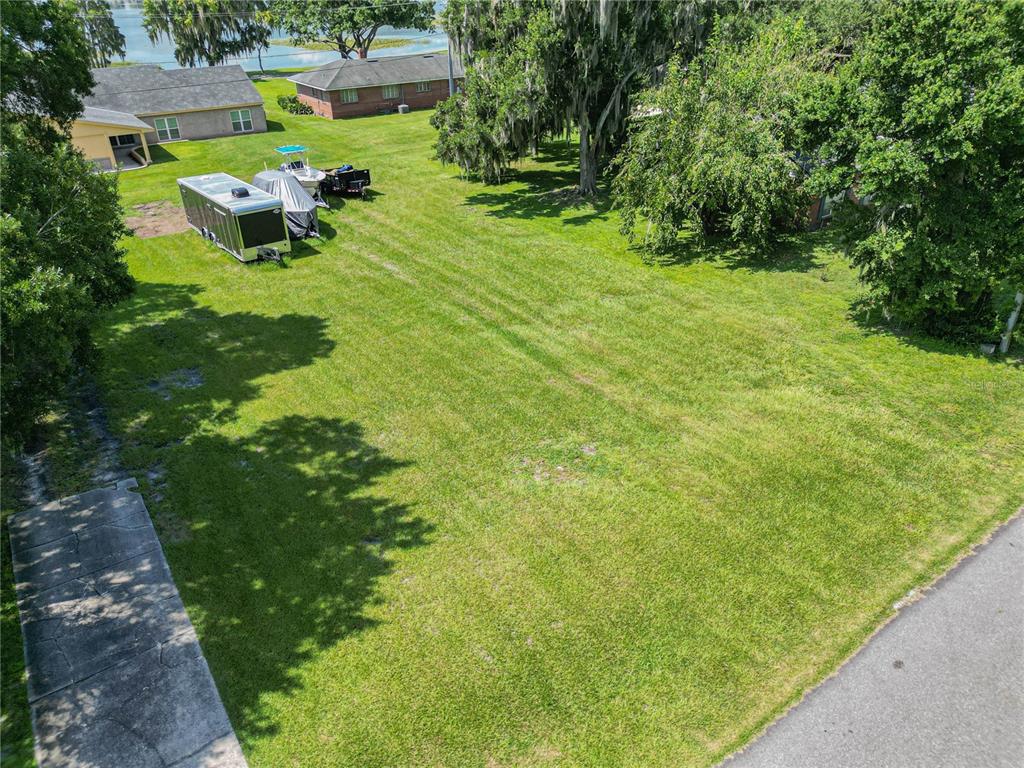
363, 52
259, 58
588, 163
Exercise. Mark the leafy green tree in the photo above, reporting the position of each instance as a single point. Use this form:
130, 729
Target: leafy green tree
584, 58
715, 148
207, 31
104, 39
349, 25
60, 222
44, 67
465, 132
505, 105
926, 123
61, 262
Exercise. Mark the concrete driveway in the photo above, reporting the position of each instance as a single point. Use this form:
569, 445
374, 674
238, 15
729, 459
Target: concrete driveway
941, 686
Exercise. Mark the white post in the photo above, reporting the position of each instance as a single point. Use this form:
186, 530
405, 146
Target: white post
1004, 345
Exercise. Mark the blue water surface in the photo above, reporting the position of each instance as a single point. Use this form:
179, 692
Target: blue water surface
140, 50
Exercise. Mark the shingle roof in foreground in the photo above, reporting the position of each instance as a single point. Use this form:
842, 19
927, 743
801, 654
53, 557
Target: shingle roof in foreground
110, 117
146, 89
385, 70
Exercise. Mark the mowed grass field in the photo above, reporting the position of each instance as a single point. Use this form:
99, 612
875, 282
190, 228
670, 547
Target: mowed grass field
468, 484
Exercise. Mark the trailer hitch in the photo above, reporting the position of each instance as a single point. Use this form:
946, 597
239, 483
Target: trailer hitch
269, 254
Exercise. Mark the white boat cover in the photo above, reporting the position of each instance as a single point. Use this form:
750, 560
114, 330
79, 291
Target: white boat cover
299, 207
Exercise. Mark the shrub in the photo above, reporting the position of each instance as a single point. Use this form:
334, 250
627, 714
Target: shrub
930, 109
713, 149
293, 105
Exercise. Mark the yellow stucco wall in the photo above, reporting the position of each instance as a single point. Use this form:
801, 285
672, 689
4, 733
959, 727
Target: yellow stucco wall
94, 141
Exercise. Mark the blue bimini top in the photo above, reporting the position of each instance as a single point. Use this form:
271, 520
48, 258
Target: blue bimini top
291, 149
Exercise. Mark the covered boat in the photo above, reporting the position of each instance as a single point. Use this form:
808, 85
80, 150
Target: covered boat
298, 166
299, 207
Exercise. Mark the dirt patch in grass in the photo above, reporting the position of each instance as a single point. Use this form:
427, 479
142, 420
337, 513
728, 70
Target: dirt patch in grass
155, 219
544, 471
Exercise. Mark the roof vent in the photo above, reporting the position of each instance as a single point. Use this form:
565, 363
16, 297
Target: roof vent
239, 192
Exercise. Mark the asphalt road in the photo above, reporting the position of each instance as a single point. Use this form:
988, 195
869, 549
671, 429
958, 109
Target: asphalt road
941, 686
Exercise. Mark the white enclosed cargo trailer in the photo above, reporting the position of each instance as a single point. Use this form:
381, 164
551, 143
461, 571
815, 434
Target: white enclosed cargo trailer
245, 221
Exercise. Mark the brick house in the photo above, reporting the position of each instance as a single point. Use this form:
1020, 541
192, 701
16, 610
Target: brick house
354, 87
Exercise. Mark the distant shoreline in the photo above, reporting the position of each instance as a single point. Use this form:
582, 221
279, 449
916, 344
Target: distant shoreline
380, 42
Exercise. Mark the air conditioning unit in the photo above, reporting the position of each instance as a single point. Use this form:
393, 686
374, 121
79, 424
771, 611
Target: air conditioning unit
403, 109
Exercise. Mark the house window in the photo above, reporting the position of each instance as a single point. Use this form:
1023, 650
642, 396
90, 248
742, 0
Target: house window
349, 96
389, 91
241, 120
423, 86
167, 128
124, 140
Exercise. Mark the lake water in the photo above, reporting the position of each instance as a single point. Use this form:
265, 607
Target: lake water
140, 50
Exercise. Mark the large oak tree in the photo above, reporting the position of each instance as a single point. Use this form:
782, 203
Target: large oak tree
348, 25
585, 59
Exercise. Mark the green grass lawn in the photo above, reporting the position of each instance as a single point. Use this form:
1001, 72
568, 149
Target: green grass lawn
15, 721
468, 484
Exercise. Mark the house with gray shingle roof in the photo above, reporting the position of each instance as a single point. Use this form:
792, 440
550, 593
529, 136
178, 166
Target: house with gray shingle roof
155, 105
354, 87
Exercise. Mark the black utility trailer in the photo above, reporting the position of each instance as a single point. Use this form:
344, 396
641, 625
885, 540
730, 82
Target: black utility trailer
245, 221
346, 181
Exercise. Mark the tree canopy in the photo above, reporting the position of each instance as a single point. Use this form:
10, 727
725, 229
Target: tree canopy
911, 113
45, 68
104, 39
60, 222
717, 146
349, 25
208, 31
506, 105
559, 66
926, 124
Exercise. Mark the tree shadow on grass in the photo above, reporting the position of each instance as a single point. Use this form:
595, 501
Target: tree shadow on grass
796, 252
537, 201
548, 192
180, 366
311, 246
288, 542
868, 315
273, 531
158, 153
